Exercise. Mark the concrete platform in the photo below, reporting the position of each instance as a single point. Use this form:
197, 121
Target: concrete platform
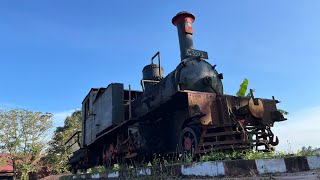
303, 165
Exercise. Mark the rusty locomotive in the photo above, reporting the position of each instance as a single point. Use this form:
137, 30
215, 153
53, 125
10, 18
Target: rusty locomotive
184, 111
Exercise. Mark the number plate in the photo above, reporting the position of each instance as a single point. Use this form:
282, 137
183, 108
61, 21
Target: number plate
194, 52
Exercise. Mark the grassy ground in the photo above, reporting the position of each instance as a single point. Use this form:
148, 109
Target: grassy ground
166, 168
164, 162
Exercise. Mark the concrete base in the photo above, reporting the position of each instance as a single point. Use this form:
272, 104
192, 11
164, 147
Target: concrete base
218, 169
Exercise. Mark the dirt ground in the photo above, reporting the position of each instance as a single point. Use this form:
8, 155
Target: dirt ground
53, 177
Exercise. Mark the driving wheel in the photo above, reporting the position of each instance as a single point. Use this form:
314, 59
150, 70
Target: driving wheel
189, 139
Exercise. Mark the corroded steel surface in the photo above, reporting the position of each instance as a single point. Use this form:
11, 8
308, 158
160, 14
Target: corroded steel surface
231, 122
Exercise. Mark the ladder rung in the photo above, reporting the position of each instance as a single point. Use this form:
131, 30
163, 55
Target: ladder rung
222, 133
222, 142
222, 148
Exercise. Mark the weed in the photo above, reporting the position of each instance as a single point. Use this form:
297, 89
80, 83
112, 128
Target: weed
163, 167
116, 167
254, 154
98, 169
306, 151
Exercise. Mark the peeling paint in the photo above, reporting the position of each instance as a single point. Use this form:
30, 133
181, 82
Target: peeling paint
235, 167
271, 165
314, 162
95, 176
203, 169
146, 171
113, 174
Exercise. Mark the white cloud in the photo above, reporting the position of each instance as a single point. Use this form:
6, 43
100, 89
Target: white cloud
59, 117
301, 129
58, 120
4, 105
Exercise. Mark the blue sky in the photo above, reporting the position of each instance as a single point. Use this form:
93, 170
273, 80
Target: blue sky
53, 52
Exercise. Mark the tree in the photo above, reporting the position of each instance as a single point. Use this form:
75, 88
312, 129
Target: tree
22, 135
57, 152
243, 88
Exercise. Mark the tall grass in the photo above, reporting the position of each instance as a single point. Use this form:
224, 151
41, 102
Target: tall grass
164, 163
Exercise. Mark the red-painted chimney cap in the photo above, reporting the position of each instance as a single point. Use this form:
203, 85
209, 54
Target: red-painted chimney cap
181, 16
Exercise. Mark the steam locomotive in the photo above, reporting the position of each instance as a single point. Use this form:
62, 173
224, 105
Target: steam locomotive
184, 111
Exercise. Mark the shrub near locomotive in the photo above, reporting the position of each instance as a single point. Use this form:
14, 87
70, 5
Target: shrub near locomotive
184, 111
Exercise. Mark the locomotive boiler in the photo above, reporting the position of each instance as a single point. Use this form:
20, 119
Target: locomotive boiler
185, 111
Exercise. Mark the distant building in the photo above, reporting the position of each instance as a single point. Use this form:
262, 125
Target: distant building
6, 168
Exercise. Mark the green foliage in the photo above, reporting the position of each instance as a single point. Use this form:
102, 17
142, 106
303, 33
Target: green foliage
306, 151
249, 94
243, 88
254, 154
97, 169
262, 155
67, 177
166, 168
219, 156
188, 158
116, 167
283, 112
22, 135
57, 152
4, 160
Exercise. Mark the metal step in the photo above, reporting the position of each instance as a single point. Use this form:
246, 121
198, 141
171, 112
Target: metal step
219, 126
202, 151
222, 134
223, 142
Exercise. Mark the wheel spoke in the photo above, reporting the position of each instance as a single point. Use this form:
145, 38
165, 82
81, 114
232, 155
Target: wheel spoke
188, 139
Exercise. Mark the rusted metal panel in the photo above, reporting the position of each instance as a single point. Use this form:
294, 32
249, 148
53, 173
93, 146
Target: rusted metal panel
200, 105
270, 107
108, 108
223, 110
232, 121
101, 109
87, 118
89, 130
212, 109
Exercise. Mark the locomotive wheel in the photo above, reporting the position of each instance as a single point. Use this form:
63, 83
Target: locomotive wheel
189, 139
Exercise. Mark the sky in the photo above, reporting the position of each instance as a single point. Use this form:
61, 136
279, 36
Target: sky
53, 52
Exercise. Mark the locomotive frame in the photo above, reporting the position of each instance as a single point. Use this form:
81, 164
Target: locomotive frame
186, 111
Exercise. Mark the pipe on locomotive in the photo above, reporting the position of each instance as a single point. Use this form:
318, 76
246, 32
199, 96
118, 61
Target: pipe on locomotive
183, 20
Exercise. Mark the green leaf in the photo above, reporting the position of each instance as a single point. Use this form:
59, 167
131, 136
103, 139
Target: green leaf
243, 88
283, 112
22, 135
249, 94
57, 150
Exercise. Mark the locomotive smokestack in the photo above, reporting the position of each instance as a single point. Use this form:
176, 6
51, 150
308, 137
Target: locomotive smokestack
183, 20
